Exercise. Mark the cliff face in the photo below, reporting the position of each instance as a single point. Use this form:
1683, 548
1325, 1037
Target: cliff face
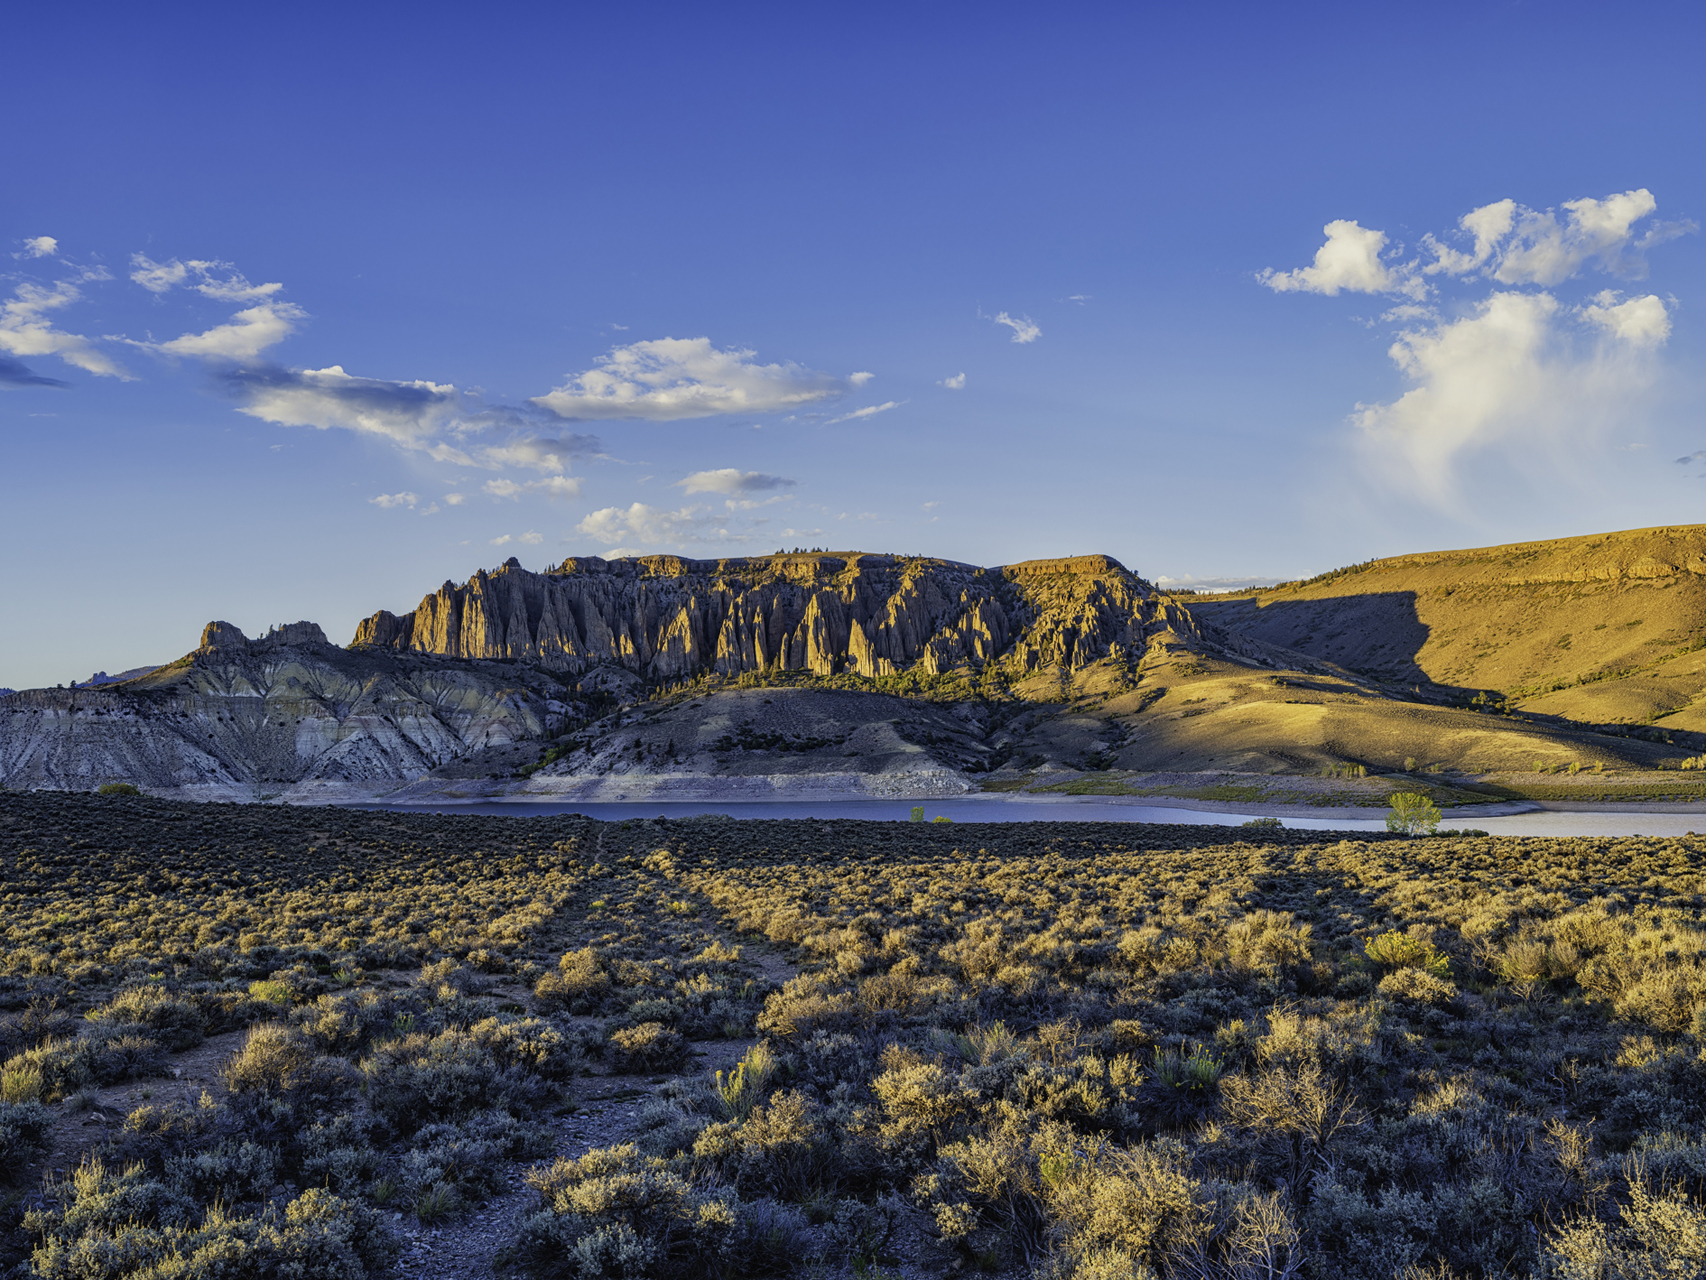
283, 711
663, 617
512, 656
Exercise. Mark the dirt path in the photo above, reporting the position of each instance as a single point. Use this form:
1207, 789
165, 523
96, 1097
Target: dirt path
607, 1114
188, 1074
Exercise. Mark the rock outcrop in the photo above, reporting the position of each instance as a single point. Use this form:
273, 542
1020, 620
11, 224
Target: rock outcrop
513, 657
286, 712
666, 618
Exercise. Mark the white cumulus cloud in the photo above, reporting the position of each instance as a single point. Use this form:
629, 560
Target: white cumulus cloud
1539, 248
667, 379
39, 247
955, 383
455, 499
1520, 376
1643, 322
1521, 372
531, 539
1349, 261
403, 499
1503, 241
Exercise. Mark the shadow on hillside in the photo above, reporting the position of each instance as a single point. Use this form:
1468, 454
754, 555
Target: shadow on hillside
1376, 635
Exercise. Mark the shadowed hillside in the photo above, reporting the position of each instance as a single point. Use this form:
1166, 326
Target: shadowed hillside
1606, 629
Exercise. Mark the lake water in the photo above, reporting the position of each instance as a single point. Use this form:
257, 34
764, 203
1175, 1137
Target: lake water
1007, 809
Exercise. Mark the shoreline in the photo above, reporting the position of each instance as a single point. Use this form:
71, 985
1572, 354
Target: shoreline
1254, 809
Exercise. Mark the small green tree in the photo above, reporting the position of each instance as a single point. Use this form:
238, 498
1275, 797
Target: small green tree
1413, 814
918, 813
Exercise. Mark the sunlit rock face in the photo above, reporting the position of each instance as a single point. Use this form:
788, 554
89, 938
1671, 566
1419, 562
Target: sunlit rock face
663, 617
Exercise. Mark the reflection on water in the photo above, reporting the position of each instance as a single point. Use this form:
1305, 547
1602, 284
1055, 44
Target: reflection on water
1007, 809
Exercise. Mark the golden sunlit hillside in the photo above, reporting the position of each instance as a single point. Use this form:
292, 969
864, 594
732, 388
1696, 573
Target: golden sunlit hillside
1605, 629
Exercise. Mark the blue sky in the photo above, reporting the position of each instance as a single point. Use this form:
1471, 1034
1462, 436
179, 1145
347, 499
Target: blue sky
305, 311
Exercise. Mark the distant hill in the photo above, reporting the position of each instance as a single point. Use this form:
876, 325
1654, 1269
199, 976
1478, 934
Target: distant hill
1605, 629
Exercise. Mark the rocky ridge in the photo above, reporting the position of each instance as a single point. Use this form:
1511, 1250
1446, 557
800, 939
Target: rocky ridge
515, 657
667, 618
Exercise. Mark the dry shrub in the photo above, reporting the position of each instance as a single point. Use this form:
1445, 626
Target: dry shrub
171, 1019
1418, 985
615, 1212
126, 1223
421, 1079
782, 1148
1266, 940
24, 1129
648, 1048
806, 1005
580, 984
1395, 950
279, 1072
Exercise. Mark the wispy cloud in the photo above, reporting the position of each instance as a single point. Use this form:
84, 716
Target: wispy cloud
388, 500
869, 411
668, 379
27, 328
542, 453
730, 480
955, 383
550, 487
210, 278
38, 247
412, 414
1023, 328
647, 526
249, 332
